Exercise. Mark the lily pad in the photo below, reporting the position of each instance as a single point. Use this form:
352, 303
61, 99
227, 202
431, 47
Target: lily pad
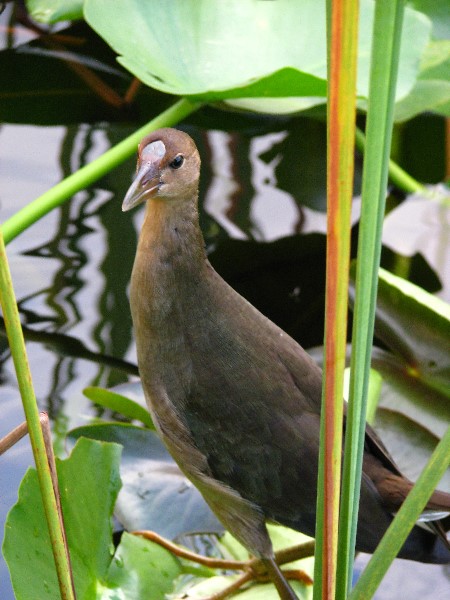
416, 326
90, 475
437, 11
432, 89
241, 49
155, 494
403, 392
89, 482
140, 570
400, 435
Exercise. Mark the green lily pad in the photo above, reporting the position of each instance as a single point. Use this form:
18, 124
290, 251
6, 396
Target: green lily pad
437, 11
155, 494
90, 475
432, 89
89, 483
140, 570
427, 95
241, 49
415, 326
409, 415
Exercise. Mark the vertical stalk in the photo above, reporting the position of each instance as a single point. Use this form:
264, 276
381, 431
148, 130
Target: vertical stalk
18, 351
384, 64
342, 54
404, 520
397, 175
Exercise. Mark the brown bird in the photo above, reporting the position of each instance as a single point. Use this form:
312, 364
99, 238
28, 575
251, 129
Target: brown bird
235, 399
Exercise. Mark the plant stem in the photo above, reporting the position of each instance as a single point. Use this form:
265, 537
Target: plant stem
383, 76
397, 175
19, 355
86, 176
342, 55
403, 522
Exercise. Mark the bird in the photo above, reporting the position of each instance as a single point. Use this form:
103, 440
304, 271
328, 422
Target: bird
234, 398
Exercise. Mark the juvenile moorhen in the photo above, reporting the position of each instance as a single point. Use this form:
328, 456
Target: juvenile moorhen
234, 398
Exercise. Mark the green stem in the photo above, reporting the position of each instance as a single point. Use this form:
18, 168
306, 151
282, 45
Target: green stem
383, 76
92, 172
403, 522
18, 352
397, 175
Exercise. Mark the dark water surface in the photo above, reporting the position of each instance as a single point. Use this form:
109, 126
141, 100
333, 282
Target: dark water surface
262, 213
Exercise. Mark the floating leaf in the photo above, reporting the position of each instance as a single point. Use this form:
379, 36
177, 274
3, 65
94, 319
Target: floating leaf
155, 494
89, 482
409, 442
432, 89
424, 346
140, 570
405, 393
196, 48
437, 11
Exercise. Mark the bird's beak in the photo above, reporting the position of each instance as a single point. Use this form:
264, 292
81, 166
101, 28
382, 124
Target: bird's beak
148, 178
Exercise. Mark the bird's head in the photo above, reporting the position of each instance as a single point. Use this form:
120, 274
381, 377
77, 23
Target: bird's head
168, 167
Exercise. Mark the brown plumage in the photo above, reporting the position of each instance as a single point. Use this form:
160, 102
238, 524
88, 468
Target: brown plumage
235, 399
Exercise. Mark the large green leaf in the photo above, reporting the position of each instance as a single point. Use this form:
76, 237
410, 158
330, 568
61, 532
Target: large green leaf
89, 482
437, 11
432, 89
195, 47
410, 416
155, 494
273, 52
140, 571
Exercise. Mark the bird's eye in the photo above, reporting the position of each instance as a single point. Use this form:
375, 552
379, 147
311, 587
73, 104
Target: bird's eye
177, 162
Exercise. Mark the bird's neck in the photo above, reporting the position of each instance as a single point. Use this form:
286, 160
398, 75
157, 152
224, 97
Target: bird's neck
169, 264
171, 237
167, 286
